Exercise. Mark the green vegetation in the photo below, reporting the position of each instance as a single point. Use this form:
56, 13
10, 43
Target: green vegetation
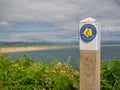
26, 74
110, 75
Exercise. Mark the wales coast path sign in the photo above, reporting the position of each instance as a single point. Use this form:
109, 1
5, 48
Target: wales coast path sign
89, 43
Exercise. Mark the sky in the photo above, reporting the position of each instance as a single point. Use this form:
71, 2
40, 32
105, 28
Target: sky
56, 20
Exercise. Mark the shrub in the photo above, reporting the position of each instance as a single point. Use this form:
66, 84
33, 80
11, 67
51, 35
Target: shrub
25, 74
110, 75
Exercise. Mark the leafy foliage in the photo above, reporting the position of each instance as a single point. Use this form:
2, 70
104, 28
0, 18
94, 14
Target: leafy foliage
110, 75
25, 74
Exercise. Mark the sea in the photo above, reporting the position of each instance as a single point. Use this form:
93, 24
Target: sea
71, 54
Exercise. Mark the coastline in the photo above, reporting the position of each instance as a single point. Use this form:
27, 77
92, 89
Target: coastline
107, 45
42, 47
31, 48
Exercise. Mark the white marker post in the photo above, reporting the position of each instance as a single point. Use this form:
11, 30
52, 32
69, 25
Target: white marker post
89, 37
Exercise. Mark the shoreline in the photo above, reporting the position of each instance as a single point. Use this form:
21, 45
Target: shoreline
107, 45
31, 48
42, 47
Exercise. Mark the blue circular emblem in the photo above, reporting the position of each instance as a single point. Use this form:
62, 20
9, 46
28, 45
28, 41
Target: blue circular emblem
88, 32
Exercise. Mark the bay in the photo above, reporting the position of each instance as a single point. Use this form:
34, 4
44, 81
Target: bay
107, 52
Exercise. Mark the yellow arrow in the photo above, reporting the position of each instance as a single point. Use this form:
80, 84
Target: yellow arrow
87, 32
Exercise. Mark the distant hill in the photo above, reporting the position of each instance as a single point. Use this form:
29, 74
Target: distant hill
17, 44
7, 44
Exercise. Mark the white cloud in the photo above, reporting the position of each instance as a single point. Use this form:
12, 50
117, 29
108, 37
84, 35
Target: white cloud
4, 24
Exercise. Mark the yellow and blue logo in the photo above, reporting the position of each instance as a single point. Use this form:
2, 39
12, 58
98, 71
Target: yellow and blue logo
88, 32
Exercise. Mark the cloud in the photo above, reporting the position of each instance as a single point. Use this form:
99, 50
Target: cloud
110, 37
37, 36
62, 15
117, 2
4, 24
55, 10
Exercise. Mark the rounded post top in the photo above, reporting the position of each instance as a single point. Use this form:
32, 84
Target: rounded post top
89, 19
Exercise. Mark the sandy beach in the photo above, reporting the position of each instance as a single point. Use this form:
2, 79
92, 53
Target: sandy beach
30, 48
42, 47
